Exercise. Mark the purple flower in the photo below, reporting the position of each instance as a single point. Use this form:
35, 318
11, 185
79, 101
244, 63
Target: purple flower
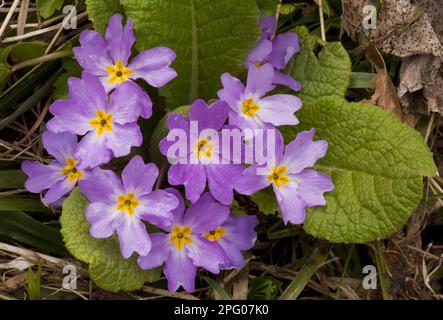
120, 205
203, 159
62, 174
295, 186
249, 109
276, 50
110, 123
233, 236
184, 248
108, 58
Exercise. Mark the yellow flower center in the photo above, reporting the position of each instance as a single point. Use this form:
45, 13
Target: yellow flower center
215, 234
127, 203
277, 176
118, 73
71, 171
102, 122
249, 108
258, 64
203, 148
181, 236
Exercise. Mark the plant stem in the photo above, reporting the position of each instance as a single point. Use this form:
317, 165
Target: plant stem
382, 269
36, 61
320, 254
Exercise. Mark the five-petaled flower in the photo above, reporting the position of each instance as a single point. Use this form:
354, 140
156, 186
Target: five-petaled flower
295, 186
62, 174
249, 109
188, 244
120, 205
110, 123
276, 50
204, 156
108, 58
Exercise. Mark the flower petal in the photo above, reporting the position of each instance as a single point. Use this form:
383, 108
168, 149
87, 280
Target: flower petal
177, 213
259, 80
102, 186
213, 116
312, 185
60, 145
58, 190
220, 180
124, 104
133, 237
192, 176
103, 219
303, 152
153, 66
41, 177
249, 182
206, 254
180, 271
68, 117
284, 46
292, 207
279, 109
240, 231
160, 251
123, 137
93, 151
92, 54
259, 53
119, 39
268, 26
233, 90
157, 207
89, 93
139, 177
286, 80
206, 214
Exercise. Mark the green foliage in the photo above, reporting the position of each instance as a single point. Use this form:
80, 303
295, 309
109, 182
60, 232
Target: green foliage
264, 288
217, 288
107, 267
266, 201
99, 12
20, 227
209, 38
73, 69
33, 283
10, 179
46, 8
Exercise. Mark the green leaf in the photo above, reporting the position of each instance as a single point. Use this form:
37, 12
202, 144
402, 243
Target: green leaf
48, 7
264, 288
209, 38
28, 50
73, 69
325, 75
20, 227
22, 204
214, 285
12, 179
160, 132
99, 12
107, 267
376, 162
265, 199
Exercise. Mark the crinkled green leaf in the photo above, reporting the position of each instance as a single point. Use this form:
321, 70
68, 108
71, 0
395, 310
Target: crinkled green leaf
376, 162
107, 267
48, 7
99, 12
209, 37
265, 199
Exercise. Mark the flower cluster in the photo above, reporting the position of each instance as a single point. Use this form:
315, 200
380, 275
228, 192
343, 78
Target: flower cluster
99, 122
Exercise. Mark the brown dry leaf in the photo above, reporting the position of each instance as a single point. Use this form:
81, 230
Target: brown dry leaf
413, 31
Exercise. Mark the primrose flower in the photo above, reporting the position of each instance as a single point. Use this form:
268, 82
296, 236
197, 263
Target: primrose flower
202, 156
110, 124
250, 109
295, 186
276, 50
184, 247
120, 205
62, 174
233, 236
108, 58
